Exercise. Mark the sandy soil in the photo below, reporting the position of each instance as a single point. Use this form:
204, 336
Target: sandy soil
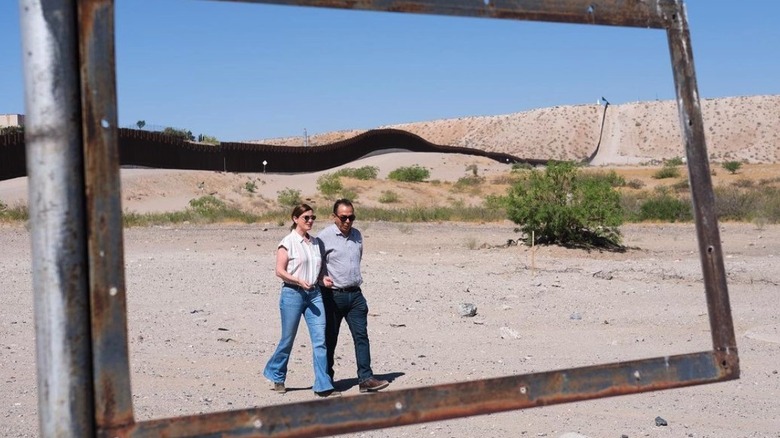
203, 320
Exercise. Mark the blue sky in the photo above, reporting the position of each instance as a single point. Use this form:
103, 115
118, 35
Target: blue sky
248, 71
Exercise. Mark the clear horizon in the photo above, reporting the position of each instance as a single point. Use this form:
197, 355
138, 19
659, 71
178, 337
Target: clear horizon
248, 71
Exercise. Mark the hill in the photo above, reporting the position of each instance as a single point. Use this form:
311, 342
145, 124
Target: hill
736, 128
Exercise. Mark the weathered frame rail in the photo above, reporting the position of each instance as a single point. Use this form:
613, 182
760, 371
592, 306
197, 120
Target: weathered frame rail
78, 255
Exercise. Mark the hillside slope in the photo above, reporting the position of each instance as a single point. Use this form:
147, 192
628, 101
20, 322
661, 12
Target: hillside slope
737, 128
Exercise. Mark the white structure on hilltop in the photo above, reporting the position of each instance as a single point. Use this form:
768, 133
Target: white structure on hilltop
11, 120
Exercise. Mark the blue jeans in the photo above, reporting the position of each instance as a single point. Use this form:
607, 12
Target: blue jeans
353, 307
293, 303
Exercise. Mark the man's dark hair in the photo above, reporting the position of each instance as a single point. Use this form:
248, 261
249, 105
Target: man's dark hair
340, 202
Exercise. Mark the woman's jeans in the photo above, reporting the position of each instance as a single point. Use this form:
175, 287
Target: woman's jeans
293, 303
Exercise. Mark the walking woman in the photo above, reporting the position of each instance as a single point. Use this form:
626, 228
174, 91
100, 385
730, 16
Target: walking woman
299, 265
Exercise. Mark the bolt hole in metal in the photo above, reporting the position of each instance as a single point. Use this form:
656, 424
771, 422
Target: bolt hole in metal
113, 291
637, 375
710, 249
104, 123
523, 390
591, 9
399, 406
258, 424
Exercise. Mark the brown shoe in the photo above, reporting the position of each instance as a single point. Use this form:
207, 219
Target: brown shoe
373, 385
279, 387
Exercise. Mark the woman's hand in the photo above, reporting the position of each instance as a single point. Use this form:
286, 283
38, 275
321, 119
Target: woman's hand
327, 281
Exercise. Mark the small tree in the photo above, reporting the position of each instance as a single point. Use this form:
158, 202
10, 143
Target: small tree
140, 124
558, 206
732, 166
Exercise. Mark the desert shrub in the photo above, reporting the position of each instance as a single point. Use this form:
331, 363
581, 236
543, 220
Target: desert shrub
734, 204
743, 183
674, 161
495, 202
681, 186
560, 207
665, 207
210, 209
473, 169
389, 197
414, 173
769, 204
348, 194
329, 184
180, 133
504, 179
731, 166
250, 186
208, 139
667, 171
516, 167
13, 214
288, 197
611, 177
470, 182
364, 173
635, 184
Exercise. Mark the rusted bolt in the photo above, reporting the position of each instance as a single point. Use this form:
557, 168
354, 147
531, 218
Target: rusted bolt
399, 406
523, 390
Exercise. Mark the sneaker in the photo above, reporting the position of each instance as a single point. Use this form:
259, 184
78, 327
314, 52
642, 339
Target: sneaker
279, 387
329, 393
373, 385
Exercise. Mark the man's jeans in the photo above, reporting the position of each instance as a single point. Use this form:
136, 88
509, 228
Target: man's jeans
351, 306
293, 303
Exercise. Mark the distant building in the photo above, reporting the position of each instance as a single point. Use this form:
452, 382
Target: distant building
11, 120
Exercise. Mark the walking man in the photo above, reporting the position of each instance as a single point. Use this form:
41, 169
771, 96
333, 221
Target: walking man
343, 298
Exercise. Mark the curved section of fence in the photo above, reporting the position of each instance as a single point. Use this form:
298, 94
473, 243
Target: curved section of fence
157, 150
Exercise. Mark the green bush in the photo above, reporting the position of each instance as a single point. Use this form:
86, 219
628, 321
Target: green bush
611, 177
389, 197
470, 182
516, 167
13, 214
364, 173
250, 186
665, 207
636, 184
288, 197
329, 184
181, 133
208, 139
558, 206
668, 171
734, 204
732, 166
413, 173
674, 161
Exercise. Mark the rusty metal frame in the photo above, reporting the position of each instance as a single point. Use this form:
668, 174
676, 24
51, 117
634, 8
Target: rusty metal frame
78, 265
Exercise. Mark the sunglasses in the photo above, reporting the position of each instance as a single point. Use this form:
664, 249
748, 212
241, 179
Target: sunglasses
351, 218
309, 218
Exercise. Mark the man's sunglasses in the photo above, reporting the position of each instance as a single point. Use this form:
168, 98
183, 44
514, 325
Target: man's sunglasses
351, 218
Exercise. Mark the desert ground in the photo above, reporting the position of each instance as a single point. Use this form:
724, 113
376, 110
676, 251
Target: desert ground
203, 319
